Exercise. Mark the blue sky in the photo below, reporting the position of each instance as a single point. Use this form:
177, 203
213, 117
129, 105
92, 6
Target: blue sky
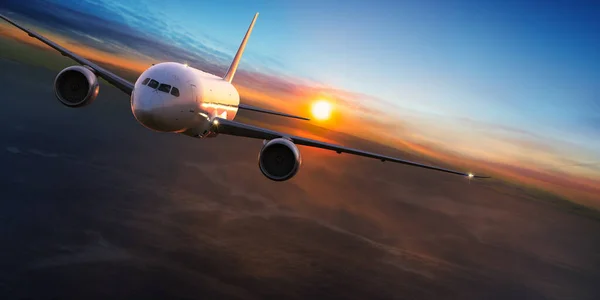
526, 69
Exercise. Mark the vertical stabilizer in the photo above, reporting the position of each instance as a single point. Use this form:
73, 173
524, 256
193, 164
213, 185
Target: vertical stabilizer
236, 60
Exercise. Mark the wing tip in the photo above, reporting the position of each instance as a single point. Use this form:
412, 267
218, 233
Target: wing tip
472, 176
2, 16
7, 19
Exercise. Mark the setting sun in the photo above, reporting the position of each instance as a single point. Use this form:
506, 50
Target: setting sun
321, 110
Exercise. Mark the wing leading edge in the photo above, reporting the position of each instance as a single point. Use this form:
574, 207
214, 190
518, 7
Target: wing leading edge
112, 78
228, 127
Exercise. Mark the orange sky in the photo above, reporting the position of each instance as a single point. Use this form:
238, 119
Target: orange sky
525, 160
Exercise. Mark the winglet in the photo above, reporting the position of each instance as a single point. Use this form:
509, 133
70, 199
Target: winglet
236, 60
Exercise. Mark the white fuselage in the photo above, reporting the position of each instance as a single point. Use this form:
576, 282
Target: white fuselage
173, 97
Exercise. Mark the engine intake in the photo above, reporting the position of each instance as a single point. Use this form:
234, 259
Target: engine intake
279, 159
76, 86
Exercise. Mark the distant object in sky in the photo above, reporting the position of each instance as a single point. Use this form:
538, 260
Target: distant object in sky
321, 110
174, 97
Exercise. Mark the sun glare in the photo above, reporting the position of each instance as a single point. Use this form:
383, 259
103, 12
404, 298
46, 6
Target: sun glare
321, 110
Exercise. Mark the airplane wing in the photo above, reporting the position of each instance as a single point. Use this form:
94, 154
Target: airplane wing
228, 127
112, 78
266, 111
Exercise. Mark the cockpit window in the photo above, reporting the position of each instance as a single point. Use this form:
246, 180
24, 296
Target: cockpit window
175, 92
164, 88
145, 81
153, 83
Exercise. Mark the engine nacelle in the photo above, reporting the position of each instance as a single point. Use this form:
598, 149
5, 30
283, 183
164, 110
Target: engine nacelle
279, 159
76, 86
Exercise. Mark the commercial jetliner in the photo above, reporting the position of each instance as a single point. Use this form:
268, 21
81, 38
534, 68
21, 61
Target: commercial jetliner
174, 97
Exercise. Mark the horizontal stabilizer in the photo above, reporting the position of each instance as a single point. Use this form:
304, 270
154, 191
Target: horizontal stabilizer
271, 112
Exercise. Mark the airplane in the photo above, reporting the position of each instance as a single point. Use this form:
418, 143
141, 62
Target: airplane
174, 97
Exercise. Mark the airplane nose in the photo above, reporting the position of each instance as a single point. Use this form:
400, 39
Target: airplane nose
147, 109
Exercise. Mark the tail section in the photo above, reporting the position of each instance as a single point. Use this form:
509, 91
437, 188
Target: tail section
236, 60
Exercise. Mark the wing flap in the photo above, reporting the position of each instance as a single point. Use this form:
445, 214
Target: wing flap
228, 127
111, 78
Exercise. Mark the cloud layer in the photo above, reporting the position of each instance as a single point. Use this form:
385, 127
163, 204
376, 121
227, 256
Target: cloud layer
113, 33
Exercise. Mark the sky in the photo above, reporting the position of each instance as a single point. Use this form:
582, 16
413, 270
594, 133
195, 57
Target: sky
510, 83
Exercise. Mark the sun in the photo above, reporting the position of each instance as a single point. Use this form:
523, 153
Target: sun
321, 110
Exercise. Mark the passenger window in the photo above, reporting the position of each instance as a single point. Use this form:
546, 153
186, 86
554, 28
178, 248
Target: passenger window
164, 88
175, 92
145, 81
153, 83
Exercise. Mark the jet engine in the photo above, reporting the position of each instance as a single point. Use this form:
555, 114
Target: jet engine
279, 159
76, 86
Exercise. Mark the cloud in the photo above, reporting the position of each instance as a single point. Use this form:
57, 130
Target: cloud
114, 34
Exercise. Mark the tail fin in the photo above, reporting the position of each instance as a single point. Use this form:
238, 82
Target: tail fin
236, 60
